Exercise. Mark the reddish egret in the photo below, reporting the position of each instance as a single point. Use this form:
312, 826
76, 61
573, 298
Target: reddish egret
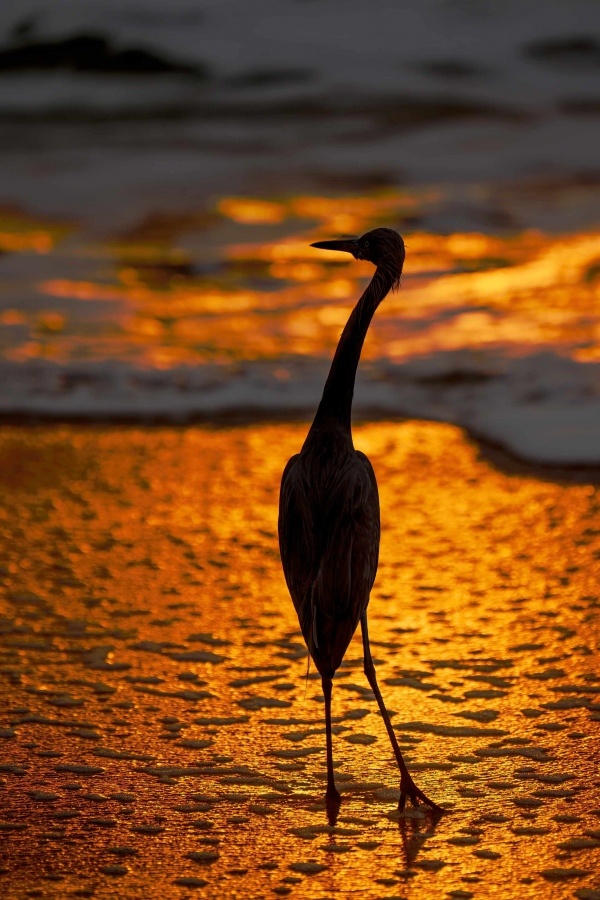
329, 508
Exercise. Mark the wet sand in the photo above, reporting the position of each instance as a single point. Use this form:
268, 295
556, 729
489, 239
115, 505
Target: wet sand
159, 735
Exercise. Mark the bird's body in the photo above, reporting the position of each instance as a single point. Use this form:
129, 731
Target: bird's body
329, 524
329, 541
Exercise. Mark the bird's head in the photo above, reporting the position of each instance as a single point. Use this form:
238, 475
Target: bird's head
383, 247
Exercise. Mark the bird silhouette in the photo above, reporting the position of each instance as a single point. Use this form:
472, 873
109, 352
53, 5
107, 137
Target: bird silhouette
329, 523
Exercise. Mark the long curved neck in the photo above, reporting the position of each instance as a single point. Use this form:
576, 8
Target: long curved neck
336, 403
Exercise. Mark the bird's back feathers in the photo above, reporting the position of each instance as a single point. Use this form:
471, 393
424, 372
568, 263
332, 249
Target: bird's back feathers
329, 540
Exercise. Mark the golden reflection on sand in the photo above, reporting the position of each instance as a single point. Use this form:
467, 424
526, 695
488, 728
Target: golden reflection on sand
159, 735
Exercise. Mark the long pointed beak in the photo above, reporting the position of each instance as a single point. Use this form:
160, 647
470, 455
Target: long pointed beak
346, 245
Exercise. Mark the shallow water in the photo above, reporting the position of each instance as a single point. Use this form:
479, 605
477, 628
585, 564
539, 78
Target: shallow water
230, 311
301, 97
242, 283
155, 701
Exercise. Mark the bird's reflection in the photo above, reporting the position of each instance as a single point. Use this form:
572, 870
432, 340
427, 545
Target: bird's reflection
415, 832
332, 806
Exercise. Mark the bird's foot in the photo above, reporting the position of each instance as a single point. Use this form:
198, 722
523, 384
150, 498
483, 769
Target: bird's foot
409, 789
332, 803
333, 795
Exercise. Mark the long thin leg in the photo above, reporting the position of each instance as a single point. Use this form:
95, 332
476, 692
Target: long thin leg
407, 786
332, 792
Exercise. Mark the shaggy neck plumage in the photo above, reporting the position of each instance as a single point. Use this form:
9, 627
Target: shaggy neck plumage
336, 403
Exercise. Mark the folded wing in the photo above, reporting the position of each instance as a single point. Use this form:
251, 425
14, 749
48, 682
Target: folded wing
329, 540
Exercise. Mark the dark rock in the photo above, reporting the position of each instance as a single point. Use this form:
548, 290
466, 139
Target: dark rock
579, 51
90, 53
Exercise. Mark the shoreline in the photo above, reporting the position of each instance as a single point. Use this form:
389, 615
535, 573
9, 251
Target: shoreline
492, 452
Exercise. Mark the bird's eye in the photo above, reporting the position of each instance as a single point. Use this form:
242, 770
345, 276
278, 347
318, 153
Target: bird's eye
366, 245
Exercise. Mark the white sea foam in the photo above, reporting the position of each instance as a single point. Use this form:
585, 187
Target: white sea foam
543, 408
